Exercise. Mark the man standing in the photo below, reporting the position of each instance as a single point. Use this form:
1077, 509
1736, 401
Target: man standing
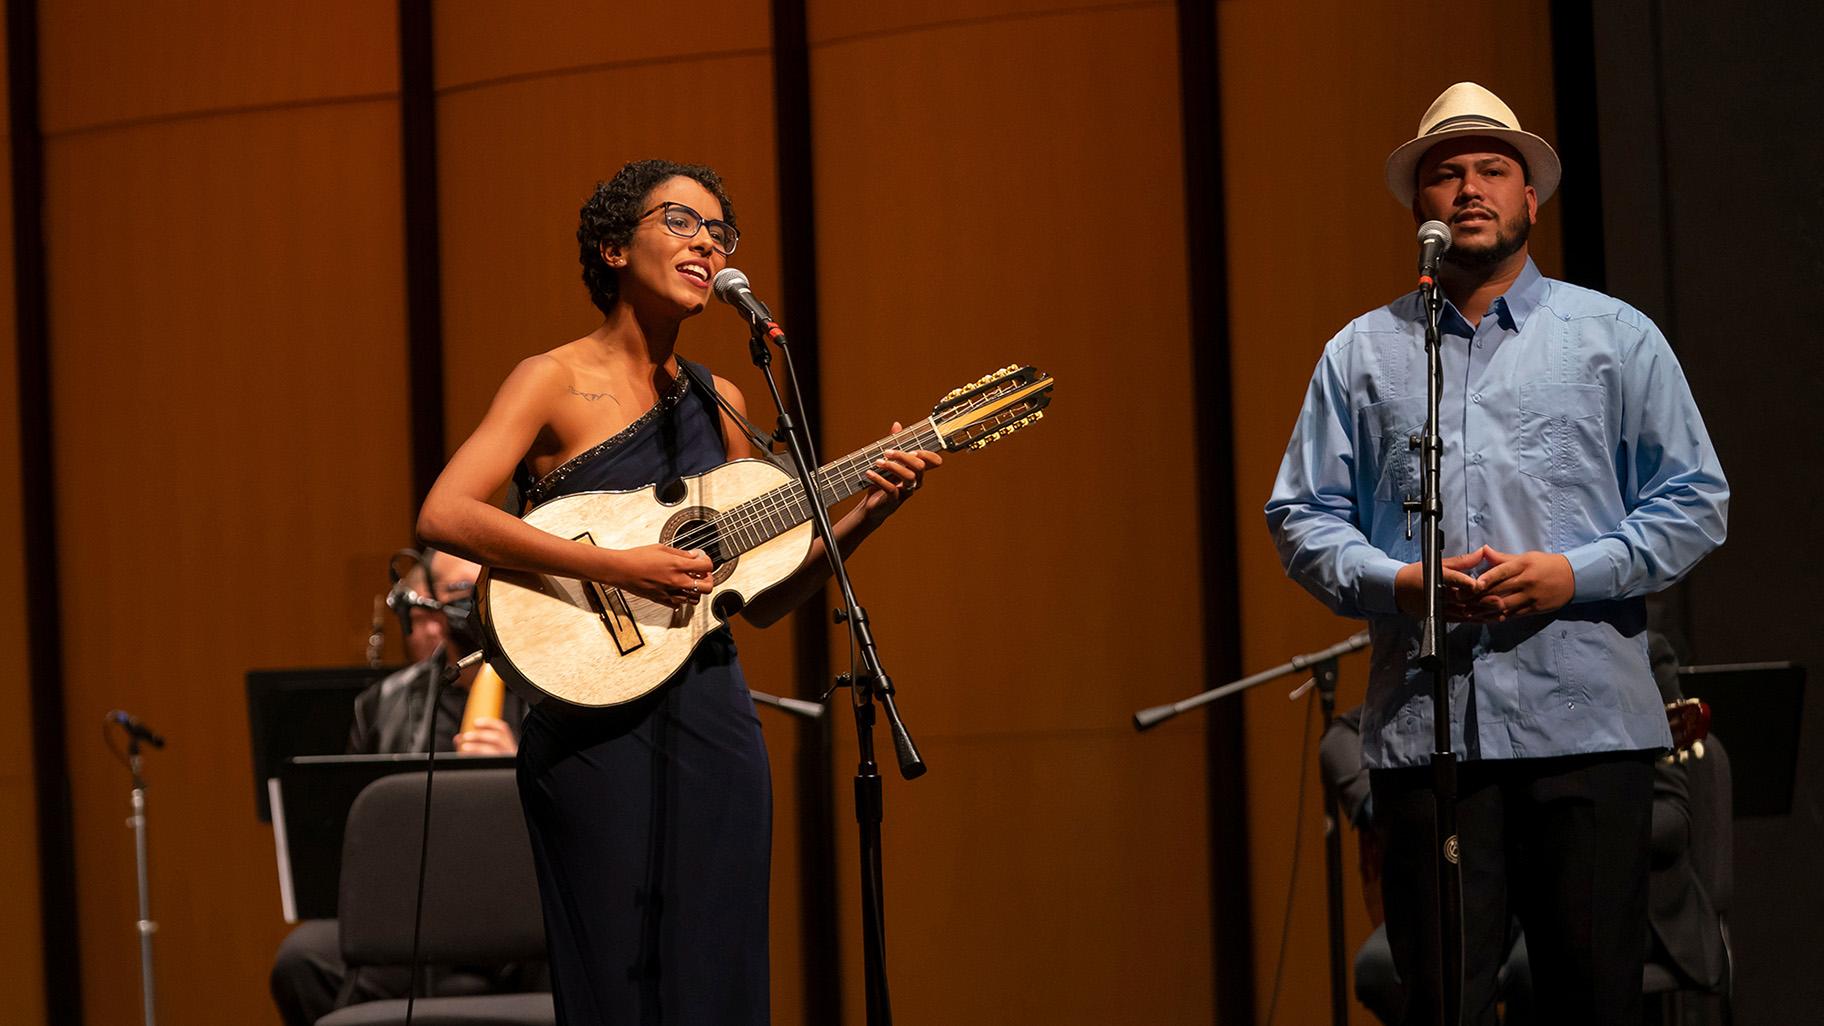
1577, 478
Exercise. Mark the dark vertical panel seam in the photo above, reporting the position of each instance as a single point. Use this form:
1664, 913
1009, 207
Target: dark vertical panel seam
1663, 159
38, 499
810, 625
1686, 598
423, 273
1576, 106
1206, 258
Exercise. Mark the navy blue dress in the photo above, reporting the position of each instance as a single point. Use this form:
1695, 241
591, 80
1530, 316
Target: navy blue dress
651, 822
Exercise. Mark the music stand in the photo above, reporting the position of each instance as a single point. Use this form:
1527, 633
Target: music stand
304, 711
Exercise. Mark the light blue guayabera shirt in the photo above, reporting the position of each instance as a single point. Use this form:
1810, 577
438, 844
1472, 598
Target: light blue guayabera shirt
1568, 427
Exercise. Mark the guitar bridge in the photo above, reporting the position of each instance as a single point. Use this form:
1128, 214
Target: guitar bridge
611, 606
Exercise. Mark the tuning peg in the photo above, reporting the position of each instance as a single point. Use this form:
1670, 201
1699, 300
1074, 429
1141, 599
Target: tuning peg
952, 394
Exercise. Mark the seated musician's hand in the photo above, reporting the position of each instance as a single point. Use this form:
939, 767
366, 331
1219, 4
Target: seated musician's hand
1464, 601
488, 737
894, 477
662, 574
1527, 583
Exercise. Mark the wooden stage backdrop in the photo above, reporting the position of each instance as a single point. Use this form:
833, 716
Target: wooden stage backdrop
990, 183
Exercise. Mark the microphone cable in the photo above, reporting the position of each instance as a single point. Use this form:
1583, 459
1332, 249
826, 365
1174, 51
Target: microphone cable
1298, 840
438, 672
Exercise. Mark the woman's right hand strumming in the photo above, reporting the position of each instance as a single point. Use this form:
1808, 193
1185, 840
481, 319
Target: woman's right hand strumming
662, 574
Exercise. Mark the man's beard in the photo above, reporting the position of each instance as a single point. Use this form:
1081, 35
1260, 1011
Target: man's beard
1510, 238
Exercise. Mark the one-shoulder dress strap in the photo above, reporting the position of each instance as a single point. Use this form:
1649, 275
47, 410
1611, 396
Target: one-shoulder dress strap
540, 489
717, 403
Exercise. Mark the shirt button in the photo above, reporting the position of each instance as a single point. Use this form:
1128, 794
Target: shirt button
1477, 458
1477, 397
1476, 519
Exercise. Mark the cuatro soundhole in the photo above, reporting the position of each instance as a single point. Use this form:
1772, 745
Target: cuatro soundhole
692, 529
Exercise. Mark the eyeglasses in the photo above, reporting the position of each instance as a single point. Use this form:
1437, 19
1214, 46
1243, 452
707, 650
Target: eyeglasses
683, 222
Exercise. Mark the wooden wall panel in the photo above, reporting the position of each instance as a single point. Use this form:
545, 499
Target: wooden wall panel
1314, 98
535, 105
227, 318
482, 41
112, 62
837, 22
1005, 185
21, 945
227, 329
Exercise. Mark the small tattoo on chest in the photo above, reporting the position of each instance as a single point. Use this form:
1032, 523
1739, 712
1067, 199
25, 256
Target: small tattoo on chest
593, 396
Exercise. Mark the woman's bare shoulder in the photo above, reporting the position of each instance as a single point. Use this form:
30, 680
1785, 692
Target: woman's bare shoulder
547, 373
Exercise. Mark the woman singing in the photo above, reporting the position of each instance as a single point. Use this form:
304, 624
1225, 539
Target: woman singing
650, 821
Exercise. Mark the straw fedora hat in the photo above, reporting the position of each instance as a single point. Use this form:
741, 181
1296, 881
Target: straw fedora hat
1468, 109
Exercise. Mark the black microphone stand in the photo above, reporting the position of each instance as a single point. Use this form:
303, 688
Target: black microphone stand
1447, 989
1322, 665
872, 683
136, 734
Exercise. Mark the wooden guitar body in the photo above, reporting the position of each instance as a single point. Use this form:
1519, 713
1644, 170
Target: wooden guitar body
595, 646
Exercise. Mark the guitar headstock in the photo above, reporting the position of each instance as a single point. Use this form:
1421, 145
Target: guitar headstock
991, 407
1689, 719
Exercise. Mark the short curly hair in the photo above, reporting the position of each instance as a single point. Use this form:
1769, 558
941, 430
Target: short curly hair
612, 212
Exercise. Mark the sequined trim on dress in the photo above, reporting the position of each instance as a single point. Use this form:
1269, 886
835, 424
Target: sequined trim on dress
680, 385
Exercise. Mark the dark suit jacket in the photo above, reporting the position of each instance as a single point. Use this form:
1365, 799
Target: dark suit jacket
1687, 929
390, 714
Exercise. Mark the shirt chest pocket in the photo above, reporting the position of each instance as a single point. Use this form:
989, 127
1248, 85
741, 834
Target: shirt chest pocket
1560, 434
1389, 426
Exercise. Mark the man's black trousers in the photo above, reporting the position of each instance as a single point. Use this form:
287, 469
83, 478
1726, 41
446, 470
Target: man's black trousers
1562, 843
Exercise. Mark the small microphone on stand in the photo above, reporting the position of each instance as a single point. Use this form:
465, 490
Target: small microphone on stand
136, 729
402, 600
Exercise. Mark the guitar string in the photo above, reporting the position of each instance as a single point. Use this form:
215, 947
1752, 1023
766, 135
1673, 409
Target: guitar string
786, 504
747, 517
751, 515
789, 500
783, 508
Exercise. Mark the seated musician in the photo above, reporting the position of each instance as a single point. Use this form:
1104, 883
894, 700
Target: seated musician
434, 602
389, 715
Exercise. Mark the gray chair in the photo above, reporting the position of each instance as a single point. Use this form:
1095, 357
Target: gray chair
480, 894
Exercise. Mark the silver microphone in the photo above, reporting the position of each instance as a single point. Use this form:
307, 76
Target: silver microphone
1434, 242
731, 287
